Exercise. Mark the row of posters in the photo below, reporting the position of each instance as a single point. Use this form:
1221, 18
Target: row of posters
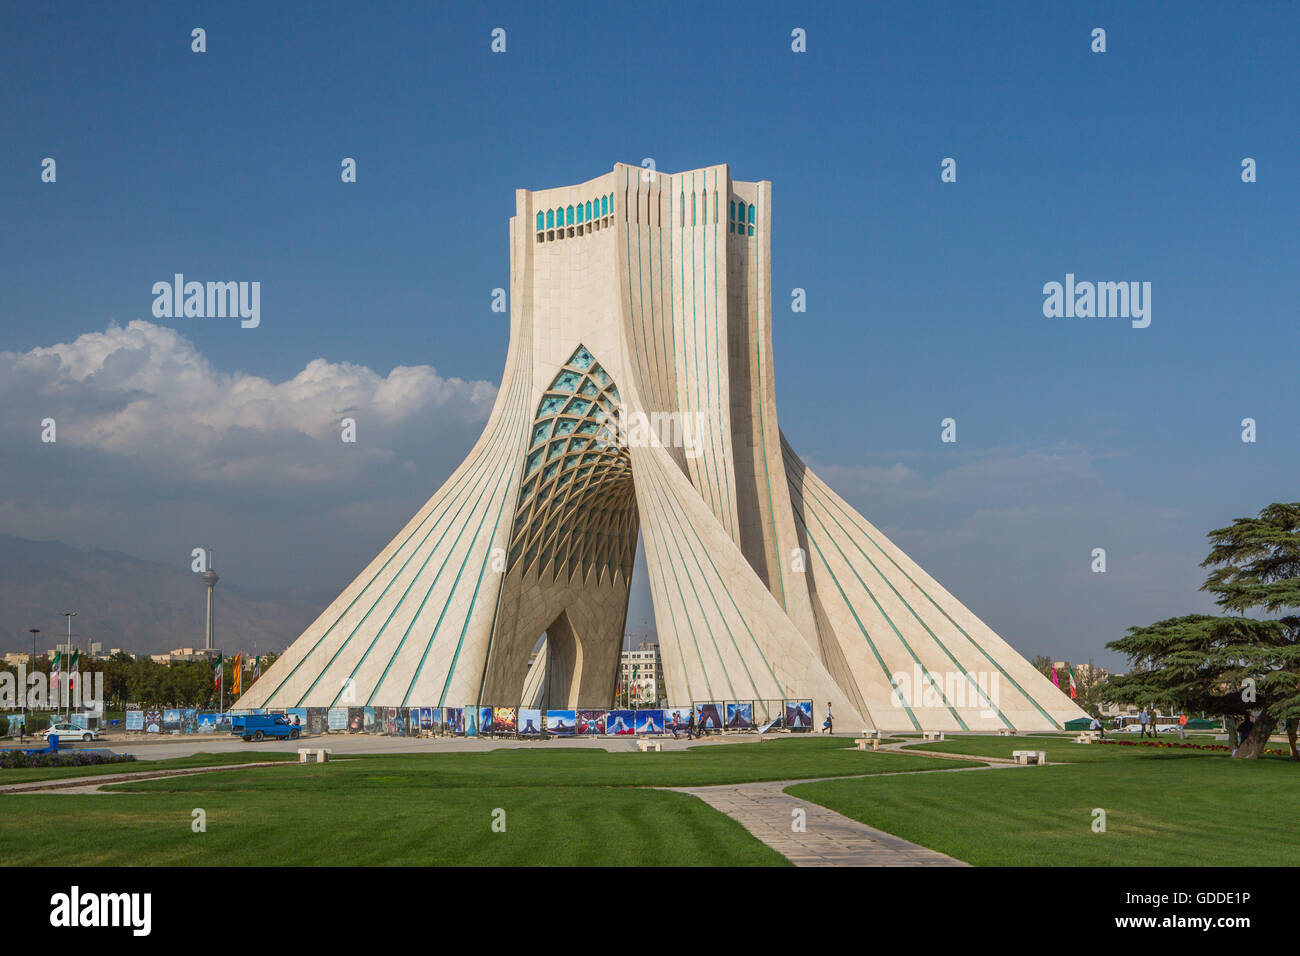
734, 715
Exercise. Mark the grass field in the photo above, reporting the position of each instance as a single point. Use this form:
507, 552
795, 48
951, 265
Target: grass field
27, 774
562, 807
1163, 808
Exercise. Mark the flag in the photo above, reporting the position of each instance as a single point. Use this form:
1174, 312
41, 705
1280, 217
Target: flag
1074, 688
257, 668
55, 670
74, 672
1055, 680
237, 675
216, 675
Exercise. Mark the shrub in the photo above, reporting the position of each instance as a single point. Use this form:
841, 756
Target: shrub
12, 759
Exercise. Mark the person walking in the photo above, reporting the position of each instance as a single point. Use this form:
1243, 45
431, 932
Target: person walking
828, 725
1182, 726
1143, 719
690, 726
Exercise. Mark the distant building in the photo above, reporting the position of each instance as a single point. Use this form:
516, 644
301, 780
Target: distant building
642, 672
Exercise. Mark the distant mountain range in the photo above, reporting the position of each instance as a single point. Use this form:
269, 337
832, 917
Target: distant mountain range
144, 607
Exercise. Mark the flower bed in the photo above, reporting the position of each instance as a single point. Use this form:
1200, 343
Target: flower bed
10, 759
1169, 744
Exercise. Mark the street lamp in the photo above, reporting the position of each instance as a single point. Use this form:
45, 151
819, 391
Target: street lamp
66, 683
33, 631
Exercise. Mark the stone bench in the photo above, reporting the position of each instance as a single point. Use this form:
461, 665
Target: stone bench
869, 734
1027, 757
1087, 737
932, 735
1006, 732
868, 743
313, 755
645, 746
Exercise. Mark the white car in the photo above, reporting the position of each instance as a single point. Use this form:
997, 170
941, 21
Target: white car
66, 730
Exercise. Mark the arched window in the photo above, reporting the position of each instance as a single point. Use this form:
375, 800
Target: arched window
568, 221
580, 216
751, 214
588, 212
550, 218
604, 207
541, 221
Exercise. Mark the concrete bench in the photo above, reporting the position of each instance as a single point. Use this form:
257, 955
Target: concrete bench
1027, 757
645, 746
1006, 732
312, 755
1087, 737
870, 734
932, 735
868, 743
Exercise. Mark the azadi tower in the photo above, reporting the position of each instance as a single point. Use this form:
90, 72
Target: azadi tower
638, 398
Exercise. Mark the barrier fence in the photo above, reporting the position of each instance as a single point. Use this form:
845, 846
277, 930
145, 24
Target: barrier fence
483, 720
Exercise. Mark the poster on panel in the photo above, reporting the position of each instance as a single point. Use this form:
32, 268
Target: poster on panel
561, 723
708, 717
798, 715
530, 722
740, 715
503, 721
620, 723
591, 723
135, 720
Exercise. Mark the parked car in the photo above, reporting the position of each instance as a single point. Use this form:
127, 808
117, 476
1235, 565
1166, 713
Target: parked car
261, 726
71, 732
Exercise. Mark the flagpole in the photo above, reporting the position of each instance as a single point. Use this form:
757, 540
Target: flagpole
69, 615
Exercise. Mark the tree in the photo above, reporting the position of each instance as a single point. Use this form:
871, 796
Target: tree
1230, 665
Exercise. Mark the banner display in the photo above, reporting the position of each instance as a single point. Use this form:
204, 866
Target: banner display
453, 719
503, 721
317, 720
484, 721
171, 719
135, 720
591, 723
798, 715
356, 720
205, 722
677, 717
708, 717
297, 715
561, 723
153, 721
740, 715
620, 723
369, 722
338, 718
189, 720
530, 722
471, 721
649, 721
17, 722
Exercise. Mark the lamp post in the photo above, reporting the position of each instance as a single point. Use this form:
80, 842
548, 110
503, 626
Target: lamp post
33, 631
67, 681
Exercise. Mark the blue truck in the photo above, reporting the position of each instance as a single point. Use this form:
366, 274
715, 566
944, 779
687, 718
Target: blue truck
261, 726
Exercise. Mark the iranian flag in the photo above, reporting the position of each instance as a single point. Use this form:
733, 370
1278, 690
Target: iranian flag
74, 672
216, 675
56, 670
257, 669
1074, 688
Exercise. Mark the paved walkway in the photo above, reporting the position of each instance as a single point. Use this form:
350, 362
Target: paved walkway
828, 838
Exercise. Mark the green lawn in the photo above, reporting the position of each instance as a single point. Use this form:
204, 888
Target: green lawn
1161, 810
563, 807
26, 774
1064, 749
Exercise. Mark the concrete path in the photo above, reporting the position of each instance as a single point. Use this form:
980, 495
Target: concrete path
828, 838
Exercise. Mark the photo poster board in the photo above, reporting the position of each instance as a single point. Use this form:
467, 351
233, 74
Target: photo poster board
171, 719
504, 721
799, 715
471, 721
297, 716
338, 718
591, 723
189, 720
769, 715
681, 716
135, 720
412, 716
317, 720
708, 716
649, 721
369, 722
153, 721
740, 715
620, 723
562, 723
530, 722
206, 722
356, 720
17, 722
453, 719
485, 721
392, 726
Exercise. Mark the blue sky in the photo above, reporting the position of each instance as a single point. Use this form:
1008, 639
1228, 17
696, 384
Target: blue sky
924, 298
